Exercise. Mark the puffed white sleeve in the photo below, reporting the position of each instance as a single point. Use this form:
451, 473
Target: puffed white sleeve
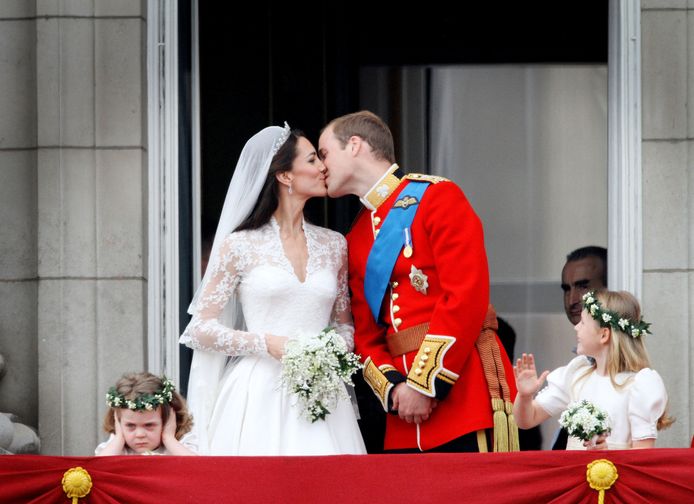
555, 397
100, 447
341, 317
190, 441
647, 402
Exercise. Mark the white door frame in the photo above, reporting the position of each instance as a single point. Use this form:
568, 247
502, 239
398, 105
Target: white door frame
162, 164
625, 250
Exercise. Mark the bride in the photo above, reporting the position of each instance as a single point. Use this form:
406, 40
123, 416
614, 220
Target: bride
271, 275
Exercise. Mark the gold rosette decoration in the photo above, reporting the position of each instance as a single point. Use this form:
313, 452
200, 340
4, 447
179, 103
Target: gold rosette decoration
77, 483
601, 475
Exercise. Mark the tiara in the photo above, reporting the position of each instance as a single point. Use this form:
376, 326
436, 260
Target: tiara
286, 131
148, 402
609, 318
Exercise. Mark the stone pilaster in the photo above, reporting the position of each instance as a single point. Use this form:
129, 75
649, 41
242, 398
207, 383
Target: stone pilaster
18, 210
92, 203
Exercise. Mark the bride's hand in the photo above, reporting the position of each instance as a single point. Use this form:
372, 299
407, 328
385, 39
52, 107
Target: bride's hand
275, 345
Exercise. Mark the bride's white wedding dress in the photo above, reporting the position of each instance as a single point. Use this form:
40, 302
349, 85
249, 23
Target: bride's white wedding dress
251, 414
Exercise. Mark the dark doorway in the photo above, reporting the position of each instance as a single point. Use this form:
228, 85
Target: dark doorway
277, 61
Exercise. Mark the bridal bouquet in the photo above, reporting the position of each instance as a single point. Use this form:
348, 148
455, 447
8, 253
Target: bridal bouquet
316, 369
584, 420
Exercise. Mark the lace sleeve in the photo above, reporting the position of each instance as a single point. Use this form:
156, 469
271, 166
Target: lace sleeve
205, 330
342, 315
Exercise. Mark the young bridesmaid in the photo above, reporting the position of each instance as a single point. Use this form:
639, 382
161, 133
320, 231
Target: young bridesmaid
618, 380
146, 416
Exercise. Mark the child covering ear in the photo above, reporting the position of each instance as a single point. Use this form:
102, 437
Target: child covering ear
146, 416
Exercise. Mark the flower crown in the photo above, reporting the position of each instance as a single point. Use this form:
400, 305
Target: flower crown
609, 318
148, 402
281, 139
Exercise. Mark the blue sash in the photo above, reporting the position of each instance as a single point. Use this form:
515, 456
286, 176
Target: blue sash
388, 244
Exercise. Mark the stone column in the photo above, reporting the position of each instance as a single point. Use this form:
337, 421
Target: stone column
92, 204
18, 207
667, 30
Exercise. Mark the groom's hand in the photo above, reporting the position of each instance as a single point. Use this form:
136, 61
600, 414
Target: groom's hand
411, 405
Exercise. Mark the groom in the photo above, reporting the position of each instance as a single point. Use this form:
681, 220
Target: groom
420, 292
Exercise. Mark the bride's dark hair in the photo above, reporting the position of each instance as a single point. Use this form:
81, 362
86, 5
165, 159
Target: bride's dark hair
269, 195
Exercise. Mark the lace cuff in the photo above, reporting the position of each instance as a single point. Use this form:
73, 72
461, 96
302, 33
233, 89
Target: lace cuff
212, 336
346, 331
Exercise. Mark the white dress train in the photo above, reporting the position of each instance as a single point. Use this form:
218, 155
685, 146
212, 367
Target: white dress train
250, 413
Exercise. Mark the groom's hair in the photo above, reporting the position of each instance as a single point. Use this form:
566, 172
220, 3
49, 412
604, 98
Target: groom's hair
370, 128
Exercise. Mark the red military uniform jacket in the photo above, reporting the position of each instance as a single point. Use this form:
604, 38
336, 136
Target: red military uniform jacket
444, 282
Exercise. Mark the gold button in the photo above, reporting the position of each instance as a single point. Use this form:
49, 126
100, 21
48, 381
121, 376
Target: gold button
397, 322
396, 308
422, 363
427, 350
424, 358
376, 232
377, 220
417, 371
395, 296
395, 285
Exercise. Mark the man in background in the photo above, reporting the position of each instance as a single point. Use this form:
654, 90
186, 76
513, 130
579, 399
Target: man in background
585, 270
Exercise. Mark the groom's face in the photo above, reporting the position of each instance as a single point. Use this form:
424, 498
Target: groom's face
337, 163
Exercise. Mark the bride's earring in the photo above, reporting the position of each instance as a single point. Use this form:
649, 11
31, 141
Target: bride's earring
290, 188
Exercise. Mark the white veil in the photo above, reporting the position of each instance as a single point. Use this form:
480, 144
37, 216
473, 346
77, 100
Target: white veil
244, 189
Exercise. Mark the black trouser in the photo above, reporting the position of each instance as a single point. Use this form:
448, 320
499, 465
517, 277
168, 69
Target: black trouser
562, 439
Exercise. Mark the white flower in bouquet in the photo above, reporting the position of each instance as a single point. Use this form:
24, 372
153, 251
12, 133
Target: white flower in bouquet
316, 369
584, 420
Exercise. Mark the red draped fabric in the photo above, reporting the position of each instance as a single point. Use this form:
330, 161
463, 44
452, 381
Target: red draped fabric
658, 475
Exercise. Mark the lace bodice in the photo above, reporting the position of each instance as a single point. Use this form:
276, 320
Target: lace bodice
253, 267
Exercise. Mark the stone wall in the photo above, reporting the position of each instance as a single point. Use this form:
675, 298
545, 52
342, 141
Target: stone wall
18, 210
73, 203
92, 195
667, 51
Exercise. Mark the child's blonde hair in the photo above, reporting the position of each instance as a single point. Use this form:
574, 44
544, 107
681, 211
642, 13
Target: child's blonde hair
626, 353
133, 385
